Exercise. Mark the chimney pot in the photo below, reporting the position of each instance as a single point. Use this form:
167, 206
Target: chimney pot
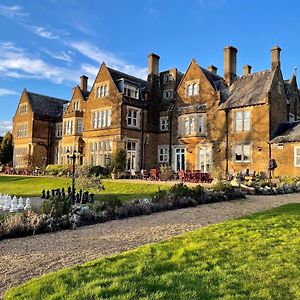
275, 57
83, 82
212, 69
153, 64
247, 70
230, 64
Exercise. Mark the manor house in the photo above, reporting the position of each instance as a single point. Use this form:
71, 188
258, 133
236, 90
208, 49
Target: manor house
197, 120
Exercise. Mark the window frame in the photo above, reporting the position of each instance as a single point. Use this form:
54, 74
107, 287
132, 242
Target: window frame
164, 154
242, 145
296, 156
101, 118
134, 120
164, 122
243, 124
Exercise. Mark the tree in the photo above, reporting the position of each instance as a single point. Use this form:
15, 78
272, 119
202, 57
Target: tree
119, 160
6, 149
87, 181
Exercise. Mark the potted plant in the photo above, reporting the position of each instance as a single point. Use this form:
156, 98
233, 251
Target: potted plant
118, 162
114, 173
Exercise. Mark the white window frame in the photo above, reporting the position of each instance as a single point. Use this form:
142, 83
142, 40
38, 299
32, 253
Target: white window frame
58, 129
79, 126
68, 127
76, 106
296, 155
168, 94
133, 117
102, 90
23, 109
164, 123
168, 78
101, 118
192, 124
244, 122
22, 130
131, 91
192, 88
132, 156
163, 152
242, 147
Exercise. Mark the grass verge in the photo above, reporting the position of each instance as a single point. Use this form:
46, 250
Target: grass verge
27, 186
254, 257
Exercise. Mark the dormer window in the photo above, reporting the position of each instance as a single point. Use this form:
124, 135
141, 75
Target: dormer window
23, 109
168, 94
102, 90
131, 91
168, 78
192, 89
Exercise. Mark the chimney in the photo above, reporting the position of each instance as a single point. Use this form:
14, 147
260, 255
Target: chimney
212, 69
230, 64
83, 82
153, 64
247, 70
275, 57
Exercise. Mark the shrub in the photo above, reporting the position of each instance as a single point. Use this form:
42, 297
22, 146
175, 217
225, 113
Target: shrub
165, 172
98, 171
119, 160
181, 190
57, 170
21, 224
56, 207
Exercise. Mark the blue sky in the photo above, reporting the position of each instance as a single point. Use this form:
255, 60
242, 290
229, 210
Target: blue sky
46, 45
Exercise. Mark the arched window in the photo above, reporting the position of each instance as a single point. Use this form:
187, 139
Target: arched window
195, 89
105, 90
190, 90
102, 91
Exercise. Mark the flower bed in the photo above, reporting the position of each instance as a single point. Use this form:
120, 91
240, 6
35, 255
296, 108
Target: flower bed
57, 213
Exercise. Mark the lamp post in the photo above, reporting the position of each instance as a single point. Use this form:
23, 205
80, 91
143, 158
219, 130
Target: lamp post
73, 156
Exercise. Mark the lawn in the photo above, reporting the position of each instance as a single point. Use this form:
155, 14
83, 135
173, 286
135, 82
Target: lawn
32, 187
254, 257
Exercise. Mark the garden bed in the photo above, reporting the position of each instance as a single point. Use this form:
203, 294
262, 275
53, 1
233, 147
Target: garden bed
58, 214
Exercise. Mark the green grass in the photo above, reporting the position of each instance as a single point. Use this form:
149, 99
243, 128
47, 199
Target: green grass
32, 187
254, 257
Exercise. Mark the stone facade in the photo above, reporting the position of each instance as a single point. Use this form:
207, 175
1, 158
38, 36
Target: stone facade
193, 121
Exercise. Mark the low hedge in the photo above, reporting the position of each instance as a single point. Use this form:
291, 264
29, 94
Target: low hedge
59, 215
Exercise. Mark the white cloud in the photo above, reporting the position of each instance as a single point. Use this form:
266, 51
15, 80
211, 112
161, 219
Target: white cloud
61, 55
17, 63
41, 31
5, 126
6, 92
12, 11
94, 53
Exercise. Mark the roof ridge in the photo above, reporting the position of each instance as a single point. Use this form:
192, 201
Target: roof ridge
48, 96
120, 72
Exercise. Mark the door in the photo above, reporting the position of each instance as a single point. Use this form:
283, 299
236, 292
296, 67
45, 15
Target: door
131, 155
179, 159
204, 158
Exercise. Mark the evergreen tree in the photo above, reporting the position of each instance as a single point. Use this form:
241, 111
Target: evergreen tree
6, 149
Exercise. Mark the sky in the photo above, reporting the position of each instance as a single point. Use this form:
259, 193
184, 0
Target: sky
45, 46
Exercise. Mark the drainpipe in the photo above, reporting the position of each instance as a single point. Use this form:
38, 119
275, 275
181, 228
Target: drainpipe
170, 114
227, 142
142, 140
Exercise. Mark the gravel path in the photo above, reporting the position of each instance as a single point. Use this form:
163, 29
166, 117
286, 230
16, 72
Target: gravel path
25, 258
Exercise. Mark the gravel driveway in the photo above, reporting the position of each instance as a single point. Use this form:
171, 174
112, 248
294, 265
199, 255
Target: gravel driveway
24, 258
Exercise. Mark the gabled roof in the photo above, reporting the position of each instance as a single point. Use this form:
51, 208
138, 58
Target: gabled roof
46, 106
217, 83
250, 89
287, 132
116, 75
